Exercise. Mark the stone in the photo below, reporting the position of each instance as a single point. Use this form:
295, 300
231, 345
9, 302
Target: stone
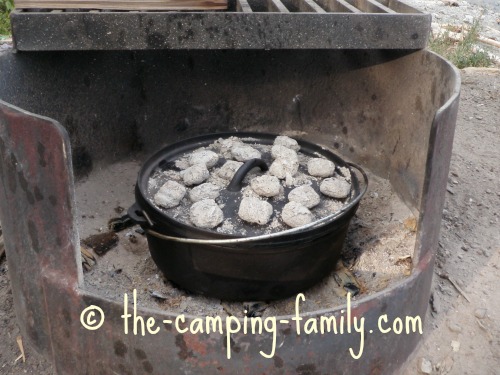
455, 345
228, 170
480, 313
320, 167
283, 140
170, 194
245, 152
296, 215
335, 187
266, 186
254, 210
207, 157
206, 214
454, 327
195, 174
305, 195
424, 366
204, 191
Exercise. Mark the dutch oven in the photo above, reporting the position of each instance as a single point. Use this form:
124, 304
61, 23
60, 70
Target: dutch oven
242, 268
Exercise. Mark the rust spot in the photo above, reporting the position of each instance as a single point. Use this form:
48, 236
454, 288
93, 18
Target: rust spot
287, 331
139, 353
148, 367
168, 327
199, 347
120, 348
184, 353
377, 367
278, 362
344, 130
351, 149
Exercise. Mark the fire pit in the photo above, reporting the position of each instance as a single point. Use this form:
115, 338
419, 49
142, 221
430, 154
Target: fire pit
350, 101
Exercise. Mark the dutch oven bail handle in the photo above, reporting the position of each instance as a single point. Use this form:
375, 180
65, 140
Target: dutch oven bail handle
140, 216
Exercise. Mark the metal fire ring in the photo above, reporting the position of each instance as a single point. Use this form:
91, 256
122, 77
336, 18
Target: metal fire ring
38, 215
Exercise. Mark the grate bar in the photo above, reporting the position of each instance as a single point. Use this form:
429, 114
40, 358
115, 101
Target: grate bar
381, 6
369, 6
307, 6
337, 6
348, 7
243, 6
277, 6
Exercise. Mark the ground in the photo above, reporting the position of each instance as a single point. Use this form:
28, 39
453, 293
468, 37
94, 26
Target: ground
462, 329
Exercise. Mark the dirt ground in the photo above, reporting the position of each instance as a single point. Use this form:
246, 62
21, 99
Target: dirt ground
462, 331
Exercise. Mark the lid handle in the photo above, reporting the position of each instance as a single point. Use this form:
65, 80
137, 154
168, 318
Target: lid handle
235, 184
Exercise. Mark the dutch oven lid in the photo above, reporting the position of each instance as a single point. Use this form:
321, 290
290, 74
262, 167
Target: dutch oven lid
164, 164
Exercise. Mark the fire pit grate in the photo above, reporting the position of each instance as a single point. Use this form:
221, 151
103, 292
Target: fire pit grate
247, 24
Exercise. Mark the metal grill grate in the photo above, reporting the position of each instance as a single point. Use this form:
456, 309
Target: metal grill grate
247, 24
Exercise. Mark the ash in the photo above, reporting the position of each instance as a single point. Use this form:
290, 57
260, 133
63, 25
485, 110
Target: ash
377, 252
226, 156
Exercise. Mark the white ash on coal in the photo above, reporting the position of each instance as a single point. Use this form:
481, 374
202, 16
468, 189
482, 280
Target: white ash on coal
305, 195
206, 214
335, 187
204, 191
296, 215
170, 194
254, 210
266, 186
206, 157
245, 152
316, 186
320, 167
195, 175
283, 140
228, 170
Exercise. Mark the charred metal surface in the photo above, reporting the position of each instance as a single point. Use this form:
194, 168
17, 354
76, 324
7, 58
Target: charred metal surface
42, 31
37, 207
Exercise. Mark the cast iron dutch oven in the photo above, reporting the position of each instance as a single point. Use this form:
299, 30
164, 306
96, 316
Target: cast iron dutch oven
242, 268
